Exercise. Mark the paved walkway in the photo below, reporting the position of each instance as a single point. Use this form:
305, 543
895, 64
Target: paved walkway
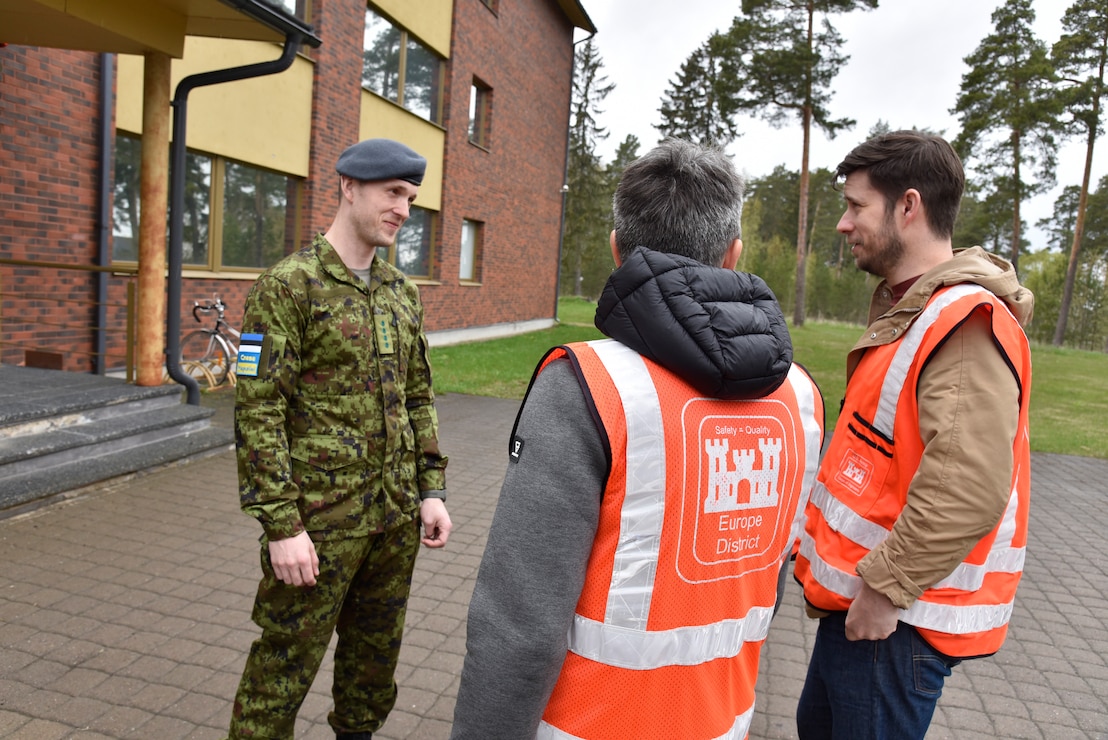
126, 613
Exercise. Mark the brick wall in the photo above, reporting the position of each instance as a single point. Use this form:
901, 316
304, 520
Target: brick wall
336, 94
525, 55
49, 167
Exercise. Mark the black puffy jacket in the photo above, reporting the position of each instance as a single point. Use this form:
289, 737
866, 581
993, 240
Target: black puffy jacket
720, 330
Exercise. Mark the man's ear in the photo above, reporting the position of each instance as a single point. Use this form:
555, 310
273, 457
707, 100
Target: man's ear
346, 186
615, 249
911, 205
731, 256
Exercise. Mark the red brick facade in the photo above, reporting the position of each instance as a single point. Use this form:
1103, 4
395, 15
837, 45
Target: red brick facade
49, 170
49, 178
525, 55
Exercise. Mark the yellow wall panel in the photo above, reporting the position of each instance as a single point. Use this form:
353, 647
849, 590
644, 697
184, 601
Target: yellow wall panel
428, 19
382, 119
264, 121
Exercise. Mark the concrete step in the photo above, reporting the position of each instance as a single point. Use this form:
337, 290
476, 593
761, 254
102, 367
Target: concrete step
33, 400
40, 485
58, 444
63, 431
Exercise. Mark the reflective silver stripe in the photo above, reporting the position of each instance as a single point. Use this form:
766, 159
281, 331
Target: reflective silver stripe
641, 650
1008, 525
953, 620
957, 620
813, 440
967, 577
550, 732
847, 522
741, 728
897, 373
836, 581
738, 731
1002, 558
640, 529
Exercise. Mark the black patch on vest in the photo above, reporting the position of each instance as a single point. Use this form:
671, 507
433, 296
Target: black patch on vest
515, 449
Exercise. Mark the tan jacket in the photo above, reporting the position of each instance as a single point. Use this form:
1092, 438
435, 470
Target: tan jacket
969, 413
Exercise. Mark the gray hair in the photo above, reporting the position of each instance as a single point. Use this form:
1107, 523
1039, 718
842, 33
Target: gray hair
679, 198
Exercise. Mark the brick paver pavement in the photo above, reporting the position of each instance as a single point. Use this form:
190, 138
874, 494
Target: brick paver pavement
125, 613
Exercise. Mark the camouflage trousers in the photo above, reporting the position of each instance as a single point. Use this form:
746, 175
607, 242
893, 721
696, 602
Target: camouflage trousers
362, 592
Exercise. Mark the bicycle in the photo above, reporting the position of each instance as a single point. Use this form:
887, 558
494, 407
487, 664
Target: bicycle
210, 353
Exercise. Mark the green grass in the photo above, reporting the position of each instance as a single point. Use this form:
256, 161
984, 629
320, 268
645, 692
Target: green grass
572, 310
1069, 402
1069, 397
499, 367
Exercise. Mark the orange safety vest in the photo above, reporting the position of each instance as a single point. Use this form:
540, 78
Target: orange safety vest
865, 475
698, 513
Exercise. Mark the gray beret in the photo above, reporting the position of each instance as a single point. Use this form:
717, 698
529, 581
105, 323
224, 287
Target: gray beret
381, 159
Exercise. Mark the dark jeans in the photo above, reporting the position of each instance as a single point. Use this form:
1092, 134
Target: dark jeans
870, 690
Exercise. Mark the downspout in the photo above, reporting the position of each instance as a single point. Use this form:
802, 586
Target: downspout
177, 195
103, 214
565, 179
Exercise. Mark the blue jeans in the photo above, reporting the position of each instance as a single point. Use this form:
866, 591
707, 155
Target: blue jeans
870, 690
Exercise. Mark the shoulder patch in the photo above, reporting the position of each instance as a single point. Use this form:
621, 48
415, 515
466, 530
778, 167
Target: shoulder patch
250, 354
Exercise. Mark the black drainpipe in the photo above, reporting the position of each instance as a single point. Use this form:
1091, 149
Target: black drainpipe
177, 196
103, 215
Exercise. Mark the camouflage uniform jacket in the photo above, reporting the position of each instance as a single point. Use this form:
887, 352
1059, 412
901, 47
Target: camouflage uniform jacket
337, 434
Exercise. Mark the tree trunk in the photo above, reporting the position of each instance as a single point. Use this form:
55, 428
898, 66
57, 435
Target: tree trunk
1082, 205
802, 210
1016, 196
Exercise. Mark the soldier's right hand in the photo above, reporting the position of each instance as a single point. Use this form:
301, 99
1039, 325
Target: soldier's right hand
294, 560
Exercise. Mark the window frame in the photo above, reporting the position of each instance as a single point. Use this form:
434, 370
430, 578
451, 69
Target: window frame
216, 191
480, 114
476, 249
406, 38
391, 252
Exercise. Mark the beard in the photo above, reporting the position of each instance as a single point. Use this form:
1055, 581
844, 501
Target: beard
888, 250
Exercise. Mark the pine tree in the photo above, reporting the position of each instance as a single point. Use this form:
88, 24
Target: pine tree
584, 241
699, 105
1009, 111
1079, 58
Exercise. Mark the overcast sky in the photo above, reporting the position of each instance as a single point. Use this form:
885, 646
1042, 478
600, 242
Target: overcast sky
905, 68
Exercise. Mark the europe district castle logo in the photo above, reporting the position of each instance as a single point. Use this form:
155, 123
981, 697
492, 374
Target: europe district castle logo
726, 491
742, 475
741, 494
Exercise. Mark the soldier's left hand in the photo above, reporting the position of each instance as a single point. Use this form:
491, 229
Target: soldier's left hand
436, 522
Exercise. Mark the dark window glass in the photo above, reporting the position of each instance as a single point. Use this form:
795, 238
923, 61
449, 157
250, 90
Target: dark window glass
413, 244
125, 199
381, 57
197, 211
255, 204
399, 68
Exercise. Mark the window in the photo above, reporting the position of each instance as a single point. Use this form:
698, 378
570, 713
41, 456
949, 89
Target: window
125, 199
255, 210
235, 215
480, 101
399, 68
296, 8
471, 250
413, 251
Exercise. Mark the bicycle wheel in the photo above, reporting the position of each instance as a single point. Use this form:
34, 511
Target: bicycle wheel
204, 350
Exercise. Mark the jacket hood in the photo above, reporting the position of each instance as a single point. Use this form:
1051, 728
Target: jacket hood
995, 274
721, 331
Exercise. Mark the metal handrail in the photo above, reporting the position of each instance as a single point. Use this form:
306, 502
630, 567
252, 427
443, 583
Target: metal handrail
79, 310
